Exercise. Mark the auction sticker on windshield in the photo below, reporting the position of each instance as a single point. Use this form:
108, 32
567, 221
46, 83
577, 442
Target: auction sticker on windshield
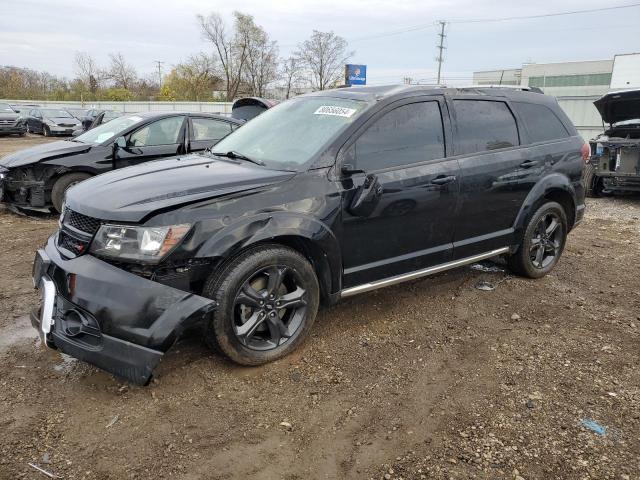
335, 111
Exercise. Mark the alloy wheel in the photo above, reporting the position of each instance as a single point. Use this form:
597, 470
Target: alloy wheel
269, 308
546, 241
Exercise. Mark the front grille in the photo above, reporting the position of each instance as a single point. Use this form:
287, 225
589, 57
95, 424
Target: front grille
66, 125
71, 244
7, 122
88, 225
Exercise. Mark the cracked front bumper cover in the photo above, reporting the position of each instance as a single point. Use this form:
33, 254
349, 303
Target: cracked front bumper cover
110, 318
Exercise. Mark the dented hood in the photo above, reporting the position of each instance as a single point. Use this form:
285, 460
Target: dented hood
617, 107
43, 152
131, 194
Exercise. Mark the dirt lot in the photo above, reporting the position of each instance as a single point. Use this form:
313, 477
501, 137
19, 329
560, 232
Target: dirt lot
431, 379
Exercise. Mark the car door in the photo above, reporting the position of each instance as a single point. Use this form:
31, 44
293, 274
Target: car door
496, 174
407, 223
205, 132
157, 139
35, 121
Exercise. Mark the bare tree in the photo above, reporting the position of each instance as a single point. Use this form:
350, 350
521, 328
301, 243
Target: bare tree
262, 57
290, 74
87, 71
230, 47
121, 73
323, 56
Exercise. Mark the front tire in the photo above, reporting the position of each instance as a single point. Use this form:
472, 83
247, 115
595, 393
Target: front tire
63, 184
267, 299
46, 131
542, 243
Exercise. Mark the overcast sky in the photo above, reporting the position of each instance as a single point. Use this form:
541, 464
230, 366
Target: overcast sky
45, 34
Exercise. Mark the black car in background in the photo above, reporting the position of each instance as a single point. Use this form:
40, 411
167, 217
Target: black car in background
103, 117
250, 107
51, 121
38, 177
11, 122
79, 113
321, 197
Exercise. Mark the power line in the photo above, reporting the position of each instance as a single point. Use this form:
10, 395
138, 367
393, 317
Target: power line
545, 15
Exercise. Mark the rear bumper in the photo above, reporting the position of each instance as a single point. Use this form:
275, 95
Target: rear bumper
110, 318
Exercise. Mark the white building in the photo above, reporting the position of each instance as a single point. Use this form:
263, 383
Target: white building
575, 84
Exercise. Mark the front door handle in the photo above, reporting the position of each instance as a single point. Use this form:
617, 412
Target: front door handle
443, 180
528, 163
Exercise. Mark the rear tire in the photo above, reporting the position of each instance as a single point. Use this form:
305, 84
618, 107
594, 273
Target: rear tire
542, 243
62, 185
251, 324
588, 181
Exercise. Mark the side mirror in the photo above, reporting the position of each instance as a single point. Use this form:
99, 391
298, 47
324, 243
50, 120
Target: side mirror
120, 142
366, 197
349, 169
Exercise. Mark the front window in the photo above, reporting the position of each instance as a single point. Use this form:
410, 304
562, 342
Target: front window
108, 131
288, 135
5, 107
55, 113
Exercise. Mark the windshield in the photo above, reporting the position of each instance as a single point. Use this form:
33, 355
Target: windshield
107, 131
55, 113
5, 107
291, 133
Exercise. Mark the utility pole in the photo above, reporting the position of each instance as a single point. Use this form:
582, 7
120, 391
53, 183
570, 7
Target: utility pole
159, 63
441, 47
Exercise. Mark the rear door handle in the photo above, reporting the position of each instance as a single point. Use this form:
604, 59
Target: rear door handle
443, 180
528, 163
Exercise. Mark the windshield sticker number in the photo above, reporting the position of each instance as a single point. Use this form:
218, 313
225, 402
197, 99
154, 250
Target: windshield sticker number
335, 111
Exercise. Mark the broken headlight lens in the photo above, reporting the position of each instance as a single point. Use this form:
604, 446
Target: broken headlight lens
147, 244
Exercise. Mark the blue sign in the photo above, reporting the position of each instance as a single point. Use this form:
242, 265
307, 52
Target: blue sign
355, 74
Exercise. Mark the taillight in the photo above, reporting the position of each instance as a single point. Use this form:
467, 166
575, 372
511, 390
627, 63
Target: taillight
585, 151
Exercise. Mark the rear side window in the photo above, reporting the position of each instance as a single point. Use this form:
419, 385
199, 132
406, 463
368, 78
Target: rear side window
484, 125
160, 132
408, 134
209, 129
542, 123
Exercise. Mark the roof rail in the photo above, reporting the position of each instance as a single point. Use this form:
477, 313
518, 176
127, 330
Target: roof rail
511, 87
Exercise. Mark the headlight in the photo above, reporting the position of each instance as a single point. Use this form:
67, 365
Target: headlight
49, 122
148, 244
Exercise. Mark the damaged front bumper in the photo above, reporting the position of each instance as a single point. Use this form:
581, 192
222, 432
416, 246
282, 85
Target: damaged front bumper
108, 317
23, 193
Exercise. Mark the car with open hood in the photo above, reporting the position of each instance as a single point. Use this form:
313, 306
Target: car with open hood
11, 121
38, 177
614, 166
321, 197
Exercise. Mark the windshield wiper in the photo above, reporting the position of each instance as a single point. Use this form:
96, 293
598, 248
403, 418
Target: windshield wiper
239, 156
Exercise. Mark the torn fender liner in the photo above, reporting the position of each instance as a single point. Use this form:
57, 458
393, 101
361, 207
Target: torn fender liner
111, 318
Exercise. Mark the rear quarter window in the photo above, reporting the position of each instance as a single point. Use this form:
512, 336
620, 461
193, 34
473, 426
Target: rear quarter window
484, 125
543, 125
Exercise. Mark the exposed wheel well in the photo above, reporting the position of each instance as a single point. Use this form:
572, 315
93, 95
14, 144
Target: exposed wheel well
306, 247
315, 255
563, 198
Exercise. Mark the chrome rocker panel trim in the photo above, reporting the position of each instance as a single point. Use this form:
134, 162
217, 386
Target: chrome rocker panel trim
367, 287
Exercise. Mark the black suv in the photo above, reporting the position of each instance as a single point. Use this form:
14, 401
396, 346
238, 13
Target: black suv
324, 196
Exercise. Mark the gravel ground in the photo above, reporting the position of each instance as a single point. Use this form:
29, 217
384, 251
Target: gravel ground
429, 379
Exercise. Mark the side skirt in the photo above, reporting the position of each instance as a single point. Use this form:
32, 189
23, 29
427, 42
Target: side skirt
367, 287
